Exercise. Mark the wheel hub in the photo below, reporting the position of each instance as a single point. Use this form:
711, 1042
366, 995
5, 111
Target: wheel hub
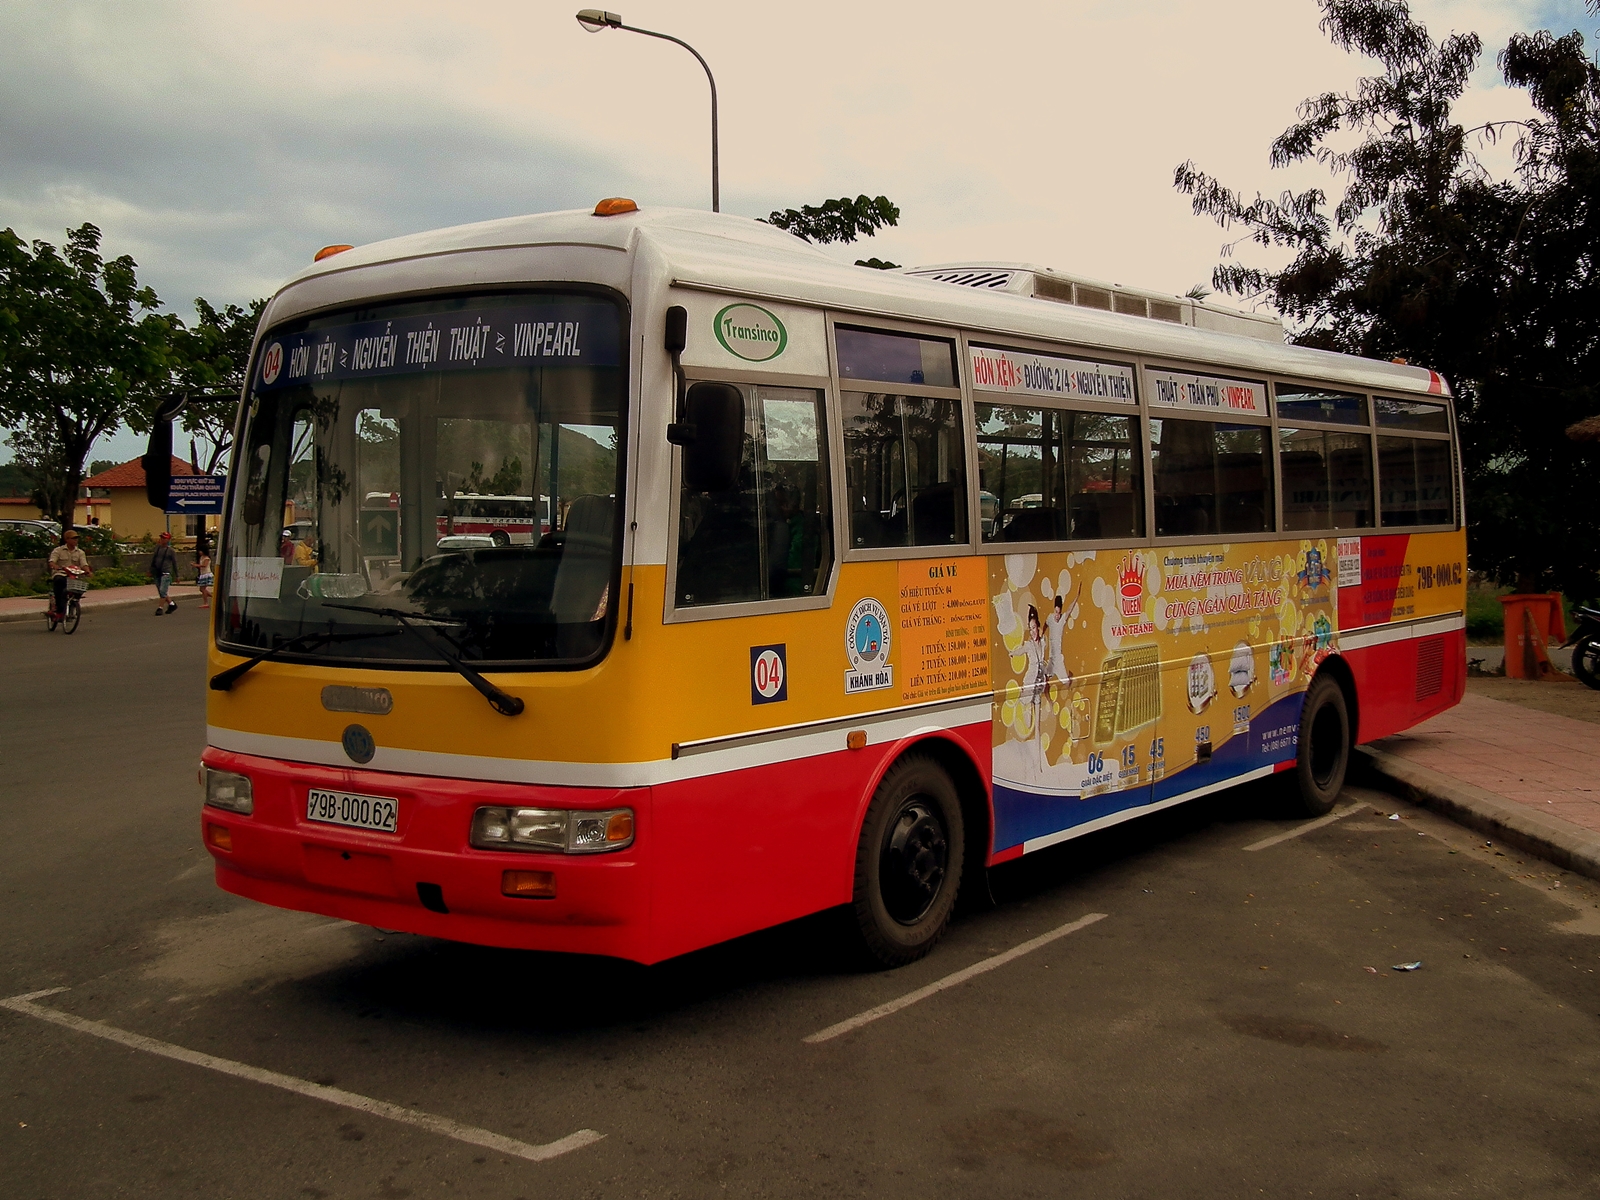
911, 869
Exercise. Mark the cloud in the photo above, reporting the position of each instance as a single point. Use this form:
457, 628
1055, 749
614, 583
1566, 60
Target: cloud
222, 144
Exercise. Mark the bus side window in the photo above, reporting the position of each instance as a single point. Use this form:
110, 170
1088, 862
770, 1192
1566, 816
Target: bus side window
907, 469
1210, 477
767, 536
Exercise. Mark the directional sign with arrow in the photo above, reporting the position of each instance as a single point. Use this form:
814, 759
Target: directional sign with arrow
195, 495
378, 530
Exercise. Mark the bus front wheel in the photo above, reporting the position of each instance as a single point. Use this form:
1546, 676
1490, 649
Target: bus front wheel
1323, 757
500, 537
908, 862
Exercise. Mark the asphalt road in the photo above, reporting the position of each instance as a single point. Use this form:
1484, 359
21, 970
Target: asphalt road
1216, 1033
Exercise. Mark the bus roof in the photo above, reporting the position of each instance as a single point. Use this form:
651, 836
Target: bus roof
740, 257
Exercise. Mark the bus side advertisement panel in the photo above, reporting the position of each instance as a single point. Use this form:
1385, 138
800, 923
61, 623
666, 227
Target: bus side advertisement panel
1126, 678
1384, 578
1402, 626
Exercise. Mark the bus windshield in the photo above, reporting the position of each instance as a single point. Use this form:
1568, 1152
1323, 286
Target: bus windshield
388, 466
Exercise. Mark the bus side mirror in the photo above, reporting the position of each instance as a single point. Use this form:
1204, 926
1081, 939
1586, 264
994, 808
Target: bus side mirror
157, 461
711, 460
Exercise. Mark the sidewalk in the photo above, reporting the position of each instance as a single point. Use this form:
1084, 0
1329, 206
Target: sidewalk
31, 608
1522, 774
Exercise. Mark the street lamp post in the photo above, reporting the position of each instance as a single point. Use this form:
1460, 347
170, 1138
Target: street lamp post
594, 20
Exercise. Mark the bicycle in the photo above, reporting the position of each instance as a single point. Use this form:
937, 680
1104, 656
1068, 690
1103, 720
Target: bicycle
77, 585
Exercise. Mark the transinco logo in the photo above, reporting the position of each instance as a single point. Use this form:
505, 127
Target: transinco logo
750, 332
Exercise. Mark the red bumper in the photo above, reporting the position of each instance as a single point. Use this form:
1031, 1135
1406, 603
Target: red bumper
602, 901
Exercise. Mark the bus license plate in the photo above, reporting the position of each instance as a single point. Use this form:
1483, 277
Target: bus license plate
358, 812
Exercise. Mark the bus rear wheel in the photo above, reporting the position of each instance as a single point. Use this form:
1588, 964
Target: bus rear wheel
1323, 757
500, 537
908, 862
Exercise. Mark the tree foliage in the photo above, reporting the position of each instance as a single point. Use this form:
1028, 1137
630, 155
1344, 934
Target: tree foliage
842, 220
81, 346
83, 350
1426, 257
211, 360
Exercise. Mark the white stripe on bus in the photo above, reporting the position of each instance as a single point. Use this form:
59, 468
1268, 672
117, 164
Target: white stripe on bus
716, 761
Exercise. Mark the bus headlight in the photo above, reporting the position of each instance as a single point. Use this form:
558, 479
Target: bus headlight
226, 790
552, 830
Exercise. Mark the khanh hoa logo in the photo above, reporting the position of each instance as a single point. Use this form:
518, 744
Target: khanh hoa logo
750, 332
1131, 599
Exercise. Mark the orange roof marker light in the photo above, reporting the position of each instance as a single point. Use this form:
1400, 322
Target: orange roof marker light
329, 251
615, 206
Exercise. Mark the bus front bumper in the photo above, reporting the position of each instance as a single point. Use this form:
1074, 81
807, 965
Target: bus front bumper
425, 878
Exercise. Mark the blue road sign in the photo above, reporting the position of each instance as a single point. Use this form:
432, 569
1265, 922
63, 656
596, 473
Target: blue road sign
195, 495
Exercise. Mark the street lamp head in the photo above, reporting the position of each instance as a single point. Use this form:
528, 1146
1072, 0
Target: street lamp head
594, 19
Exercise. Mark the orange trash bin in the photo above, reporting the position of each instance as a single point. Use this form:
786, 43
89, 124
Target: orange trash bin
1531, 620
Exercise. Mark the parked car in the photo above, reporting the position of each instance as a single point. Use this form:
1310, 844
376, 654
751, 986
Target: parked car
35, 525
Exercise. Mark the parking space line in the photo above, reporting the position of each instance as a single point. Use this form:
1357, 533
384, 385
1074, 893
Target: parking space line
950, 981
1338, 814
304, 1087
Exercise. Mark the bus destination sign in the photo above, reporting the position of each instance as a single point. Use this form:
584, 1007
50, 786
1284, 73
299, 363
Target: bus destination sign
575, 333
1173, 389
1029, 374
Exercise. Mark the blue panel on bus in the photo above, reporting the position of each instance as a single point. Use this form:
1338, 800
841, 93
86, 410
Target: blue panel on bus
569, 333
1021, 816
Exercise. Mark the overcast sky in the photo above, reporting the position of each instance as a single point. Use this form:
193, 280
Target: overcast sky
222, 143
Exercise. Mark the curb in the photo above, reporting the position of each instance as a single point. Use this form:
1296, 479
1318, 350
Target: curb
37, 613
1561, 842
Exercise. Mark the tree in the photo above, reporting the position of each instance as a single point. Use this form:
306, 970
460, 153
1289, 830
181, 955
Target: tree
1428, 258
81, 350
211, 360
842, 220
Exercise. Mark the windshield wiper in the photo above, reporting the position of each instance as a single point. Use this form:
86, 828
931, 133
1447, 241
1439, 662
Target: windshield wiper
502, 702
223, 681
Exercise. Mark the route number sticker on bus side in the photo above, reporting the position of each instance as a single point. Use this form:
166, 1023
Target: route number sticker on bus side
769, 673
358, 812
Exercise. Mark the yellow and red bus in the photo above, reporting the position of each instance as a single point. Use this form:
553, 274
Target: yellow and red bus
857, 582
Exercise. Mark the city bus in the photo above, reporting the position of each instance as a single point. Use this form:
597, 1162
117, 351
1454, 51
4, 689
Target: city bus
502, 519
860, 584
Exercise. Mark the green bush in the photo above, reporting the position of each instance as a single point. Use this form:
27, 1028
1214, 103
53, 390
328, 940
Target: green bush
34, 587
99, 539
111, 577
15, 543
1486, 620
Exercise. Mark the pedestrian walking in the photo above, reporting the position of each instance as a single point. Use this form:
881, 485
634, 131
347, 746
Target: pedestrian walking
204, 579
163, 566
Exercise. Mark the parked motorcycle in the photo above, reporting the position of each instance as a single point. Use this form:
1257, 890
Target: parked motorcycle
1585, 643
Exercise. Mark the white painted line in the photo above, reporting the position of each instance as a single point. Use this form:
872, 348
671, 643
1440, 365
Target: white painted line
950, 981
1337, 814
316, 1091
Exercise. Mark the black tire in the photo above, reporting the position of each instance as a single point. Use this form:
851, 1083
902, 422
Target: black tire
1586, 661
50, 619
1323, 757
500, 537
74, 615
908, 862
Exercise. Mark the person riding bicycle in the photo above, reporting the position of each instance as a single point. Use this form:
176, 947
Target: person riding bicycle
64, 561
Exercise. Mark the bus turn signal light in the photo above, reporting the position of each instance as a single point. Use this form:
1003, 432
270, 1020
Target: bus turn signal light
536, 885
329, 251
614, 206
856, 739
219, 836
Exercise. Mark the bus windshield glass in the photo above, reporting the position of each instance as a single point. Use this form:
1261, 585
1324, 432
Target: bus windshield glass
439, 475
